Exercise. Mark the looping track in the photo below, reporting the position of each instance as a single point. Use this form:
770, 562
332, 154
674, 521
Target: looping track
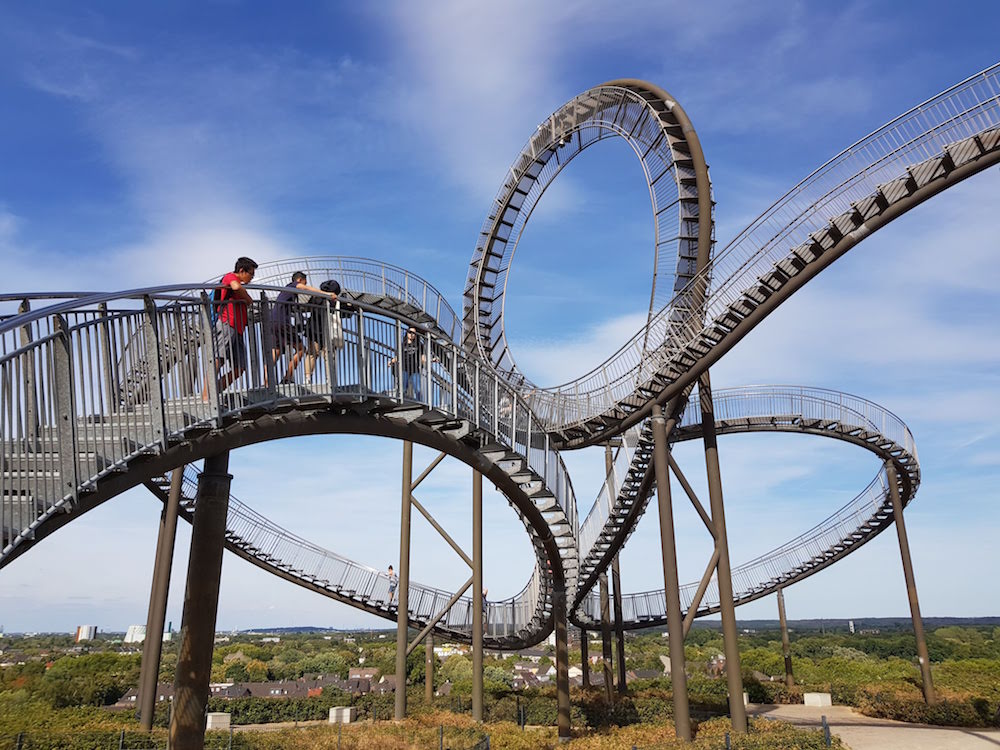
100, 391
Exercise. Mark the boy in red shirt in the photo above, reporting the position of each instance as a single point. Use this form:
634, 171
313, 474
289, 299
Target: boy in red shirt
230, 344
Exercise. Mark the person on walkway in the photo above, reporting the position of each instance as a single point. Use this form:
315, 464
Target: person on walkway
285, 327
313, 326
413, 360
393, 582
231, 302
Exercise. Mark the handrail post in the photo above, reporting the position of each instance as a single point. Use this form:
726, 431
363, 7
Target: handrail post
363, 383
454, 381
107, 365
253, 323
63, 395
154, 372
269, 345
31, 418
399, 361
428, 384
210, 359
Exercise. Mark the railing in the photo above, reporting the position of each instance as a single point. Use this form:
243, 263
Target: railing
65, 421
361, 276
768, 407
283, 550
968, 109
607, 497
786, 404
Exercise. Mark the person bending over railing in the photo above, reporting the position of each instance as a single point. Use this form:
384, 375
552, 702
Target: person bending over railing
230, 304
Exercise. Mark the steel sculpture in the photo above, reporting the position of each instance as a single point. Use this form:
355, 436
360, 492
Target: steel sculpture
100, 392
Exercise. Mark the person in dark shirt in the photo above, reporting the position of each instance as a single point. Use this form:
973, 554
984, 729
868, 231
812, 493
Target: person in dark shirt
284, 326
413, 360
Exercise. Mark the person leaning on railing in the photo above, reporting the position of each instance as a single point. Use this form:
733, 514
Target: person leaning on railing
312, 325
230, 303
284, 329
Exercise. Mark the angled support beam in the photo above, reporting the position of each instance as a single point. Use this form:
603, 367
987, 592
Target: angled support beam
440, 530
699, 593
911, 585
786, 649
689, 490
437, 618
152, 646
426, 472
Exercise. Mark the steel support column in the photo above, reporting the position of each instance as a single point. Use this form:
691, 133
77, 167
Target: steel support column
585, 657
734, 677
152, 646
606, 637
562, 661
675, 623
616, 581
429, 669
201, 605
403, 587
785, 648
911, 585
478, 601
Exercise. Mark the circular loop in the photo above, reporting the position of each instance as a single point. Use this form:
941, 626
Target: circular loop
651, 122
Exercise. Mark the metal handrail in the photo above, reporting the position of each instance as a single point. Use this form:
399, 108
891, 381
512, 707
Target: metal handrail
63, 364
363, 276
643, 116
788, 408
893, 152
276, 548
749, 402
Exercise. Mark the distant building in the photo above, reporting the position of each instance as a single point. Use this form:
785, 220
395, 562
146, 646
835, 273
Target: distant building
86, 633
850, 626
135, 634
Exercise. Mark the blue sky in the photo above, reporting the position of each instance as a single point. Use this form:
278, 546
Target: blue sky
151, 143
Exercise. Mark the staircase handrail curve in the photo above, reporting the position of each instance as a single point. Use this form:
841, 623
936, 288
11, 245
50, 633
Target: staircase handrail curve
866, 507
867, 413
391, 278
863, 515
967, 109
376, 580
502, 412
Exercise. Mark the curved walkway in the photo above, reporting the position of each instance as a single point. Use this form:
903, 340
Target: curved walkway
102, 394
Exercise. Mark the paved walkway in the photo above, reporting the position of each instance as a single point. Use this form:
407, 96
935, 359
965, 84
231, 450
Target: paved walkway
861, 732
